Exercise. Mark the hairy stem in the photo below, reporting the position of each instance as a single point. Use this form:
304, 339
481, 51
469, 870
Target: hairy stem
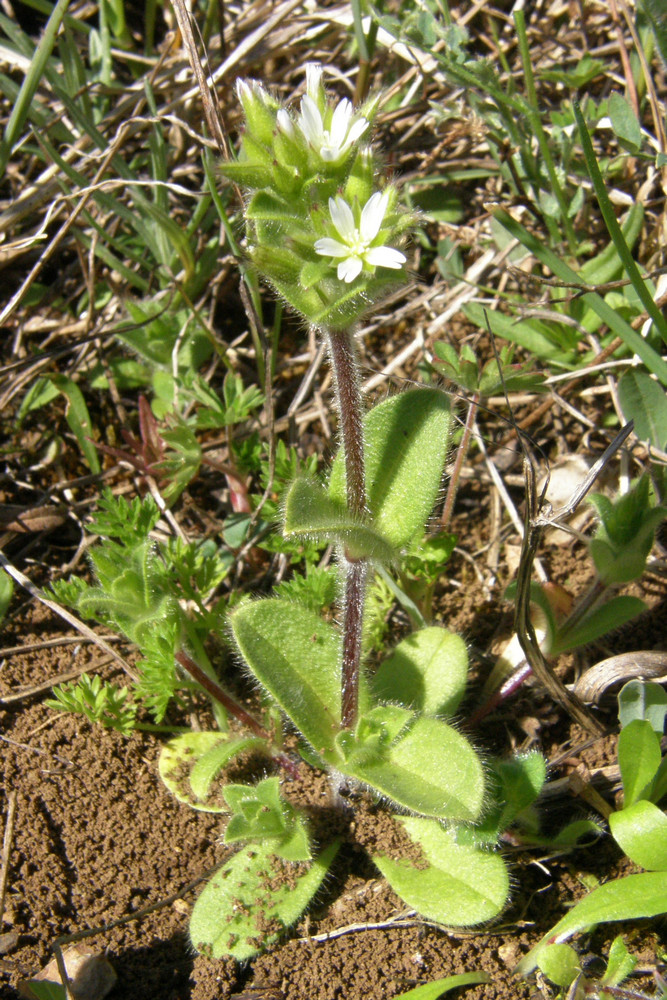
353, 620
348, 396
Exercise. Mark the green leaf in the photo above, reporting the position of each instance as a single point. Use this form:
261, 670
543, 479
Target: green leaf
296, 656
252, 899
643, 401
310, 512
450, 884
406, 442
643, 700
560, 963
632, 339
78, 419
641, 832
431, 991
624, 121
6, 591
521, 778
609, 616
634, 897
260, 813
38, 62
638, 759
426, 672
620, 963
429, 768
189, 763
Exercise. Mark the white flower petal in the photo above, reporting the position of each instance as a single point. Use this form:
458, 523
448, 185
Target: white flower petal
357, 130
331, 248
313, 79
340, 123
349, 269
285, 122
372, 215
384, 257
342, 218
311, 121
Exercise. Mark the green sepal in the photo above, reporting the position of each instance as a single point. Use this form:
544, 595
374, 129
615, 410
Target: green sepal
450, 884
427, 766
249, 902
296, 656
310, 511
267, 207
247, 173
427, 672
260, 813
406, 443
189, 763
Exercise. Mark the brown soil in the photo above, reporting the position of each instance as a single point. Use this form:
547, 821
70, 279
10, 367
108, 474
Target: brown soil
98, 840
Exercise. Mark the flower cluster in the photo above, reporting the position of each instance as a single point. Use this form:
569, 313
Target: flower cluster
329, 265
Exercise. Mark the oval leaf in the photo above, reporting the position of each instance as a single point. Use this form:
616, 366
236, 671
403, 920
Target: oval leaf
643, 400
426, 672
641, 832
252, 899
310, 512
638, 758
430, 769
296, 656
406, 440
451, 884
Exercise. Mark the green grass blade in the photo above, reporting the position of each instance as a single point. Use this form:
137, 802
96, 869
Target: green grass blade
633, 341
31, 83
614, 229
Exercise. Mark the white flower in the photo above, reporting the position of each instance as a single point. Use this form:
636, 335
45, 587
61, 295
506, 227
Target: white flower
345, 129
354, 245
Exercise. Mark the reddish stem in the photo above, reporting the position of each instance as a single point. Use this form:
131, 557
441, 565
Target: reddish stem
350, 409
228, 703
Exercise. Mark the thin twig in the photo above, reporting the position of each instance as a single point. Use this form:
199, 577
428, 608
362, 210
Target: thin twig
6, 850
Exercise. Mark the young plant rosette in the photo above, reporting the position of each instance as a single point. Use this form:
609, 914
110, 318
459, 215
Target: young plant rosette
326, 232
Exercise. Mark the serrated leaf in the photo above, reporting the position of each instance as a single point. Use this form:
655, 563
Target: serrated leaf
634, 897
296, 656
452, 884
430, 769
426, 672
641, 832
310, 512
189, 763
406, 441
252, 899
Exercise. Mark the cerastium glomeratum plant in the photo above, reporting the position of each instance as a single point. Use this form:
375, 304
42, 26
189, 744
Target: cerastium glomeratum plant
326, 231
